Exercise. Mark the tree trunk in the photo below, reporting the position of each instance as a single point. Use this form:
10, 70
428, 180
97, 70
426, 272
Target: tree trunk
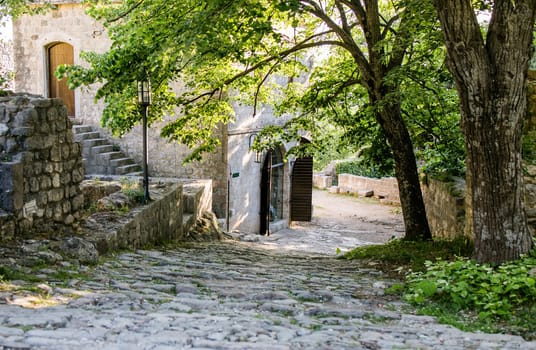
390, 119
491, 81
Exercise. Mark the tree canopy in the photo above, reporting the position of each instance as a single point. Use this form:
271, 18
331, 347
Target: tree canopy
216, 49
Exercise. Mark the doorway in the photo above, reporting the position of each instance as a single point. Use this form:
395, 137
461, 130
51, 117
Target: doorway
271, 196
57, 54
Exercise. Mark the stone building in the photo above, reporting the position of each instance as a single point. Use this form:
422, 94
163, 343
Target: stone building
249, 198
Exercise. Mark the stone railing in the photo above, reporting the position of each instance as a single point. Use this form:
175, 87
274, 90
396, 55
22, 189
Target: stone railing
41, 167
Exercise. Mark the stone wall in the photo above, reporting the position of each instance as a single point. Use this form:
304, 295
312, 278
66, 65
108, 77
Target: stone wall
41, 166
445, 207
168, 217
322, 181
386, 188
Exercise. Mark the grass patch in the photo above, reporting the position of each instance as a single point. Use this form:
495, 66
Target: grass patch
398, 256
440, 280
11, 274
491, 299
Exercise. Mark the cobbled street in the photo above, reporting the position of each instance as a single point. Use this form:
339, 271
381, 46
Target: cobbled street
227, 295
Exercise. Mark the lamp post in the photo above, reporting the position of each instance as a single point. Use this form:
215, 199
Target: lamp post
144, 100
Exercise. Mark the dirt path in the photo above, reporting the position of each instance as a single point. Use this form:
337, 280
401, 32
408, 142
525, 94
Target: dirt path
340, 222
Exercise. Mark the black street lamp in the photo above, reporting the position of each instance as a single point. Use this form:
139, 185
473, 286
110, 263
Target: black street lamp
144, 100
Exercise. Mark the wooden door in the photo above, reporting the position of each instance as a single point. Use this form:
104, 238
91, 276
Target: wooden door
60, 53
302, 190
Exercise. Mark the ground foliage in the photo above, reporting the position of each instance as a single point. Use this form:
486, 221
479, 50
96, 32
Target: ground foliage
441, 280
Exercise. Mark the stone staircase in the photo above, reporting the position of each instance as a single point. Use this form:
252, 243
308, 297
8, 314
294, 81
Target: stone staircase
101, 157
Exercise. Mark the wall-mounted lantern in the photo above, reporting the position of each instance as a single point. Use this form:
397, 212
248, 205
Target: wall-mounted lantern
258, 157
144, 100
258, 154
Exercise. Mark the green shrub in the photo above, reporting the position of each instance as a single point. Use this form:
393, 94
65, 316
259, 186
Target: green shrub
360, 168
465, 285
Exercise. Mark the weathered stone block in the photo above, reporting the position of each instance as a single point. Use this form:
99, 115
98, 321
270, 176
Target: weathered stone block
4, 129
65, 151
11, 146
26, 117
55, 153
11, 186
52, 115
55, 195
41, 102
34, 184
77, 202
77, 175
22, 131
45, 182
66, 207
56, 180
58, 213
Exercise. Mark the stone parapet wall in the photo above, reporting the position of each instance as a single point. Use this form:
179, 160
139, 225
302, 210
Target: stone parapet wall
157, 222
165, 219
41, 166
530, 195
384, 188
445, 207
322, 181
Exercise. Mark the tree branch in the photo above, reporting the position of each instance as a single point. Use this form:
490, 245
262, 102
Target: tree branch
305, 44
259, 88
126, 13
346, 37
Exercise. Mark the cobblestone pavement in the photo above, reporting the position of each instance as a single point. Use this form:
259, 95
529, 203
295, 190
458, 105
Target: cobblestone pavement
227, 295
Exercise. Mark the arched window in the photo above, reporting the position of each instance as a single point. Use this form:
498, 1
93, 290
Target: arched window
57, 54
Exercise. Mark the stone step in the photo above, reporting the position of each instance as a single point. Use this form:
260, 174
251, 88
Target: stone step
136, 174
86, 136
127, 169
121, 162
94, 142
100, 156
110, 155
97, 150
80, 129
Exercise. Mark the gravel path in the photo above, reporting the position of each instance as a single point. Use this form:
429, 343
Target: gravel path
227, 295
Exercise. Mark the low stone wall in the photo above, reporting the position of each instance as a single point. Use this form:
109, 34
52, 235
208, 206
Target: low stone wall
40, 167
322, 181
166, 218
157, 222
386, 188
445, 207
197, 197
530, 195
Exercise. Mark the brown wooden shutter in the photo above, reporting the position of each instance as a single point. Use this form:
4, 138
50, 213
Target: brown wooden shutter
302, 190
61, 53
